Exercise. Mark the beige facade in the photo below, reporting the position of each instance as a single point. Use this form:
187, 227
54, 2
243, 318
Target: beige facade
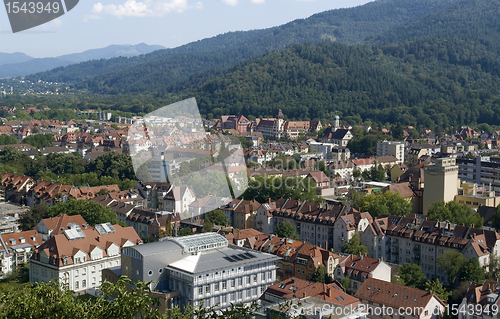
441, 182
469, 196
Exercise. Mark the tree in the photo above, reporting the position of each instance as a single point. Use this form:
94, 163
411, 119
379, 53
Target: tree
40, 140
381, 203
33, 216
186, 231
346, 283
218, 217
320, 274
438, 289
494, 267
123, 299
92, 212
451, 261
472, 271
412, 275
287, 230
354, 247
455, 213
207, 226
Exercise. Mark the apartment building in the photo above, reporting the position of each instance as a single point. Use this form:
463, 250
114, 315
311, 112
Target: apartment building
327, 226
16, 249
412, 239
483, 170
297, 259
394, 148
201, 267
78, 255
359, 268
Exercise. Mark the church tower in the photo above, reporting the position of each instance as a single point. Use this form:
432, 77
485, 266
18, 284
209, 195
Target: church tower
336, 124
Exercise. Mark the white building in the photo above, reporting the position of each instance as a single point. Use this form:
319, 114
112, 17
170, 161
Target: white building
394, 148
16, 249
77, 256
201, 267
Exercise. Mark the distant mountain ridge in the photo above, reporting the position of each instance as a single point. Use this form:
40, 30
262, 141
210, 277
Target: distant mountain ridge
16, 57
189, 65
20, 64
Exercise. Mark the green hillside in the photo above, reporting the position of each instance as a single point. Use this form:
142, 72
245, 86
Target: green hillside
188, 66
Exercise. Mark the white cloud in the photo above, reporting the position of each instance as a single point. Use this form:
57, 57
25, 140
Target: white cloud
230, 2
144, 8
235, 2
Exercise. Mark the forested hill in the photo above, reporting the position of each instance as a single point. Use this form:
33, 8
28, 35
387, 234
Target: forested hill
357, 83
162, 71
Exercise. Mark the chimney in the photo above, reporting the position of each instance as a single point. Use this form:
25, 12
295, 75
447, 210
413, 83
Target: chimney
329, 292
98, 238
304, 295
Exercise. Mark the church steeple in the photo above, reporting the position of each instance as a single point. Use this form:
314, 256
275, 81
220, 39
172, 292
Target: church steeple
280, 115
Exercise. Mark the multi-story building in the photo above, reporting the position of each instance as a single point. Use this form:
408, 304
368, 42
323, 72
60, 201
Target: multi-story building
78, 255
298, 259
469, 195
481, 170
441, 182
394, 148
201, 267
360, 268
16, 249
412, 239
327, 226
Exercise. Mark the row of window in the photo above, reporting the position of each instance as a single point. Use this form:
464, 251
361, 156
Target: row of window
232, 283
232, 297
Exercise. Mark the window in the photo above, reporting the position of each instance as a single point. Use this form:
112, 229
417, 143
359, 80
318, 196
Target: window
216, 286
200, 291
233, 283
269, 275
84, 283
224, 285
248, 293
224, 299
233, 296
248, 279
240, 295
240, 281
207, 289
77, 285
263, 276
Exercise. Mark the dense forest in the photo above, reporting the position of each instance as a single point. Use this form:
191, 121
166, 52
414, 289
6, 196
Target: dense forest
434, 64
189, 65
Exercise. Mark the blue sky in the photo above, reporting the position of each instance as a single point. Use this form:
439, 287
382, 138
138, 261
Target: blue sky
95, 24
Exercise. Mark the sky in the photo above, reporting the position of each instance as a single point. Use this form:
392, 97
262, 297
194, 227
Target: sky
96, 24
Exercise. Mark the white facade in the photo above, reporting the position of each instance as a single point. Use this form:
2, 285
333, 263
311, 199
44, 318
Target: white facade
396, 149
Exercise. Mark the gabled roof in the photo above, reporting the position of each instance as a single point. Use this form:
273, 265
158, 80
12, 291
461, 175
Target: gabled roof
60, 246
299, 288
393, 295
55, 224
